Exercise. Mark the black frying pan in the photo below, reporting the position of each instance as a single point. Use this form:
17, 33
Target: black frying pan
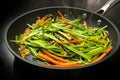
18, 25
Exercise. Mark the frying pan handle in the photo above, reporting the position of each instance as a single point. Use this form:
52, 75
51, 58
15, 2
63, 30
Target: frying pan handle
107, 6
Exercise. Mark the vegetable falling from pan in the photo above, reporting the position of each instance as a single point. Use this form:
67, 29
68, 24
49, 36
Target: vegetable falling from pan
61, 42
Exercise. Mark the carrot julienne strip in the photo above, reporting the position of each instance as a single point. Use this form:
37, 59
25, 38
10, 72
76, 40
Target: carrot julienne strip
47, 58
22, 54
85, 24
67, 65
55, 57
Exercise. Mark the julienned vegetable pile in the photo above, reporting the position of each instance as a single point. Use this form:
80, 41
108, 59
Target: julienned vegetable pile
61, 42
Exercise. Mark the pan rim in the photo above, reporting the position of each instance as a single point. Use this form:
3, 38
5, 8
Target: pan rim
58, 7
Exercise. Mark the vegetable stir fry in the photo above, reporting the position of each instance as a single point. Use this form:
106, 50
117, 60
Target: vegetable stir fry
61, 42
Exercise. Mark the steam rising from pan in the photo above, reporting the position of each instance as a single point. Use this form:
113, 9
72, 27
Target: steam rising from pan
85, 4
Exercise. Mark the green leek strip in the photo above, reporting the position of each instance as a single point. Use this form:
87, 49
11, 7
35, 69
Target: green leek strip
31, 34
33, 51
39, 43
104, 27
30, 26
76, 24
31, 44
78, 52
95, 52
51, 36
60, 37
74, 33
62, 33
56, 26
44, 44
60, 55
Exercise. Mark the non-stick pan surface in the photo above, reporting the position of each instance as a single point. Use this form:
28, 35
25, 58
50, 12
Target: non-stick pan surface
18, 25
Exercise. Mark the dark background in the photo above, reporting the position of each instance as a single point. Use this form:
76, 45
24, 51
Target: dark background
10, 9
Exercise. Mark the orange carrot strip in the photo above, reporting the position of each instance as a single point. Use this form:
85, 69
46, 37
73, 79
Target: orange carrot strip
76, 41
44, 18
27, 30
47, 58
67, 65
55, 57
105, 36
21, 47
22, 54
60, 14
63, 18
103, 55
56, 63
69, 26
85, 24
